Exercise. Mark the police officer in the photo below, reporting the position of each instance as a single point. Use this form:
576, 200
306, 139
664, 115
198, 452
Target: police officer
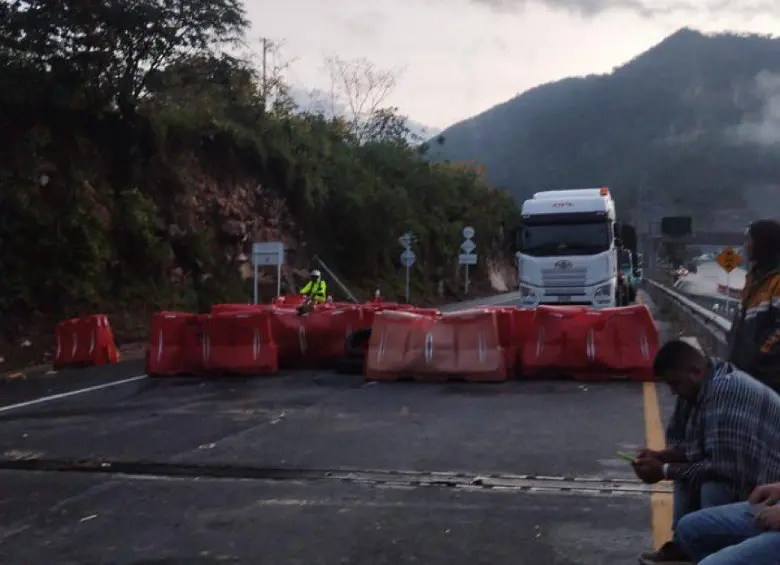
316, 288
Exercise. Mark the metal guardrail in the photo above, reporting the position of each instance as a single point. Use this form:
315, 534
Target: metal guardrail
711, 329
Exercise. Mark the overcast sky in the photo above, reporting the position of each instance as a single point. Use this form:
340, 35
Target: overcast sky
464, 56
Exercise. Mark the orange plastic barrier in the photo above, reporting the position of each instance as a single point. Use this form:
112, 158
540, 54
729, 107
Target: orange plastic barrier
176, 344
623, 342
591, 344
240, 343
388, 357
83, 342
462, 345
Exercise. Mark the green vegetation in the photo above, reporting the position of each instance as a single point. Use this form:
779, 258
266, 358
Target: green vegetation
687, 126
140, 162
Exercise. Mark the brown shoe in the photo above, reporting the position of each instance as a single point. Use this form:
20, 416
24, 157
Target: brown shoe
669, 554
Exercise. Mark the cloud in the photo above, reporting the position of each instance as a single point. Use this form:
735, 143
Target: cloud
765, 129
645, 8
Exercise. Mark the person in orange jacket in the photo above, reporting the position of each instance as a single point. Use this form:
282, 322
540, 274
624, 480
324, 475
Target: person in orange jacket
754, 340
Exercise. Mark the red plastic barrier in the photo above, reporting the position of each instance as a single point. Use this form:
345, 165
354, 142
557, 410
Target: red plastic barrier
431, 312
223, 308
553, 339
317, 339
240, 343
508, 336
462, 344
388, 356
176, 344
83, 342
624, 342
591, 344
287, 301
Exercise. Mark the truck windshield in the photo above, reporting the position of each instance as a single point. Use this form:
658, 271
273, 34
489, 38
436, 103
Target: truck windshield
566, 239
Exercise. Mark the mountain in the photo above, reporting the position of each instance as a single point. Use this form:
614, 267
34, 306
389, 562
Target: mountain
691, 124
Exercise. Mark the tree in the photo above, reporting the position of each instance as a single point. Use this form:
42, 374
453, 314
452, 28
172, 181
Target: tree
359, 90
110, 49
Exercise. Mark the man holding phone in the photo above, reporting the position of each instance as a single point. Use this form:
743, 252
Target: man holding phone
746, 533
723, 438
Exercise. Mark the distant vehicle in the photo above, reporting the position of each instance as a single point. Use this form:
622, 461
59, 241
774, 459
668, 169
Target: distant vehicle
568, 249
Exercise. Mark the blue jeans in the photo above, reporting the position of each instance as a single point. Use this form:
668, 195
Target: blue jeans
728, 535
687, 500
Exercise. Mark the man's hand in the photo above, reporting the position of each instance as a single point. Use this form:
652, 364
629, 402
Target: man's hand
649, 470
769, 519
648, 454
765, 494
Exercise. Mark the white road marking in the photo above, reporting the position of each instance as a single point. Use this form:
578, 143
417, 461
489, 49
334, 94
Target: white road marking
61, 395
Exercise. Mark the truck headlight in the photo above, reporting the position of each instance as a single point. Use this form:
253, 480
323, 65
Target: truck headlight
604, 291
527, 292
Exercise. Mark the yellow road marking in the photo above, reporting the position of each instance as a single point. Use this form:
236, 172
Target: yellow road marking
660, 502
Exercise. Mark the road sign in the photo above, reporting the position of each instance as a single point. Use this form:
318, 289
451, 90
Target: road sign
467, 259
468, 246
468, 232
729, 259
268, 254
407, 258
406, 239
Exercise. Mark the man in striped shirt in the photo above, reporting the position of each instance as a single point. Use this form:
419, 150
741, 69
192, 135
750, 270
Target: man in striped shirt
723, 438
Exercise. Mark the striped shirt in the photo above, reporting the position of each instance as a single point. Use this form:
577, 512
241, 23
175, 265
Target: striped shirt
730, 433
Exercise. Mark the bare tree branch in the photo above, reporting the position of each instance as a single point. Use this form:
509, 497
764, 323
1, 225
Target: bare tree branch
359, 89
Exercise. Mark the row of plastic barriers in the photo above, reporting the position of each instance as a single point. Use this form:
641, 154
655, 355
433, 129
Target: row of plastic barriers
83, 342
481, 344
256, 339
496, 344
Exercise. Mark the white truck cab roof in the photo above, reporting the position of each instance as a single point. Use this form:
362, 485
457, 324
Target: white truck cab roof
597, 200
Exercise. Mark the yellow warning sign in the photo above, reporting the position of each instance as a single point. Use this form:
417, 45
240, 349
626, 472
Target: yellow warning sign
729, 259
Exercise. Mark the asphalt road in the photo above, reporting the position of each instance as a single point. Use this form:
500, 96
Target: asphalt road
319, 468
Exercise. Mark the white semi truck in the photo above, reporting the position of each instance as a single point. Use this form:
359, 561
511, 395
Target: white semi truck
568, 249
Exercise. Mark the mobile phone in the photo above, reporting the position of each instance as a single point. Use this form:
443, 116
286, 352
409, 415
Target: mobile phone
626, 456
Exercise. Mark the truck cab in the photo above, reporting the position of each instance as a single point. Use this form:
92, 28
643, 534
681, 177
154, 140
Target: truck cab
568, 249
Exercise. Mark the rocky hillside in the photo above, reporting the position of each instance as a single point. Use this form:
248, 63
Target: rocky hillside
139, 164
689, 125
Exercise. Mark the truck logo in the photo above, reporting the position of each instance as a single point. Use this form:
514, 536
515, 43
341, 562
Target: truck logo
563, 265
562, 204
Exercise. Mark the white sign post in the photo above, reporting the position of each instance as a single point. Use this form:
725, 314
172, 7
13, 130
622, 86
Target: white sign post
467, 257
407, 257
267, 255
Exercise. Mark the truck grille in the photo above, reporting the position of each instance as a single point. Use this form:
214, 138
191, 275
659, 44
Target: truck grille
564, 291
569, 278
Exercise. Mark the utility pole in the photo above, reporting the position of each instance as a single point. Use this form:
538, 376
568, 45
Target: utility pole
265, 73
